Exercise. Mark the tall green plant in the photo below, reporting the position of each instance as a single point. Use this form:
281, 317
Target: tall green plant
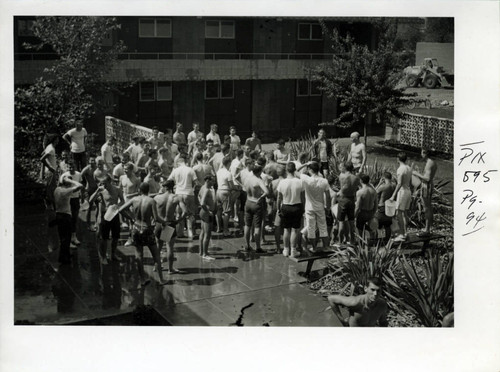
430, 296
356, 264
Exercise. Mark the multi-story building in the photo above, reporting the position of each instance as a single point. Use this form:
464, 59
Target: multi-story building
251, 72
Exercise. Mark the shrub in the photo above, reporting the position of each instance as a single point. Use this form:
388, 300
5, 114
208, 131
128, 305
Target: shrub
354, 265
429, 294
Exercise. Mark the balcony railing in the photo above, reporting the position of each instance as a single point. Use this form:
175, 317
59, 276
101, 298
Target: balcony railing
195, 56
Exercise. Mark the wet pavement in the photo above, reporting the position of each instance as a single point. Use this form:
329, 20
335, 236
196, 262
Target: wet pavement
236, 289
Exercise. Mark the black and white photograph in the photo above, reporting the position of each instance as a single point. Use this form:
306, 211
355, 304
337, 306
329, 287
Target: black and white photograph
216, 169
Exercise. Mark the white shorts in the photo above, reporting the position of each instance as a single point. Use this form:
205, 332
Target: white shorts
316, 220
403, 199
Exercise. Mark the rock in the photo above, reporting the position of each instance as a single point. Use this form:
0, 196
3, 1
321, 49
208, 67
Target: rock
444, 103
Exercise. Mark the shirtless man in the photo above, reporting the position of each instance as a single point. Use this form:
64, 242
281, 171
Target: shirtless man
384, 189
100, 170
153, 179
74, 201
346, 202
135, 149
366, 310
256, 193
207, 213
62, 195
281, 154
167, 203
145, 216
254, 142
427, 189
129, 184
225, 186
179, 137
402, 195
235, 141
107, 154
290, 205
201, 170
108, 196
323, 150
237, 208
366, 204
155, 140
90, 184
357, 154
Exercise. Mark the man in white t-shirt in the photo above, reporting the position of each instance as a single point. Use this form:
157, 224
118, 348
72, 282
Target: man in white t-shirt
193, 136
317, 191
107, 154
185, 180
213, 135
74, 201
77, 138
291, 208
224, 187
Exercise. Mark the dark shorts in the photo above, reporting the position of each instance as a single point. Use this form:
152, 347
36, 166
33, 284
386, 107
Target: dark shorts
292, 216
254, 213
205, 216
107, 227
363, 218
383, 220
243, 200
143, 238
324, 166
346, 209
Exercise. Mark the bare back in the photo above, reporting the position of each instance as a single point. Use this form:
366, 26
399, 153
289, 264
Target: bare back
144, 210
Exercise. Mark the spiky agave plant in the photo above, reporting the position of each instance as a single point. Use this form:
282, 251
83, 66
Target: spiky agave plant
429, 295
355, 264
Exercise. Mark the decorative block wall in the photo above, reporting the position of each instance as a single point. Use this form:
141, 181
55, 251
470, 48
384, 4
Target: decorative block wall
427, 132
124, 131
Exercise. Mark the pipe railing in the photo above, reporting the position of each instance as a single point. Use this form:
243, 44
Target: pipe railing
186, 56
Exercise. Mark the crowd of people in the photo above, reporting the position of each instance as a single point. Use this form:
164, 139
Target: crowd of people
162, 187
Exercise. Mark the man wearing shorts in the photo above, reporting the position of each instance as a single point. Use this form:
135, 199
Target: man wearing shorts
62, 194
316, 190
145, 216
366, 204
129, 184
357, 153
402, 195
427, 189
235, 141
291, 208
185, 180
237, 208
207, 213
349, 184
256, 193
74, 202
323, 149
167, 203
108, 196
224, 187
77, 138
384, 189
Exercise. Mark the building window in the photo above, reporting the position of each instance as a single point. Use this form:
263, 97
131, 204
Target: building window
219, 29
222, 89
164, 91
155, 27
25, 27
310, 31
155, 91
307, 88
107, 40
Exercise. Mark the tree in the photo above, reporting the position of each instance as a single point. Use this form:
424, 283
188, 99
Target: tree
440, 30
72, 87
364, 81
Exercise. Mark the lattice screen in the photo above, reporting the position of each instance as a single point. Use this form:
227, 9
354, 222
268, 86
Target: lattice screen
124, 131
428, 132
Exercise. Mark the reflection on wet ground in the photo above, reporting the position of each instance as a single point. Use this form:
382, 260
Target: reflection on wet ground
236, 288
